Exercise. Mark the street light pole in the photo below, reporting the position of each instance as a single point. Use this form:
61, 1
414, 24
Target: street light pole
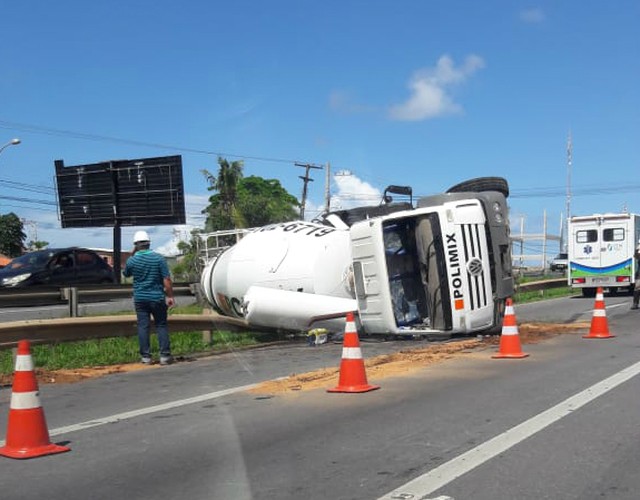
12, 142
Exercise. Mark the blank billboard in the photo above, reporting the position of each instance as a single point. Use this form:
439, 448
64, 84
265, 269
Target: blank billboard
146, 191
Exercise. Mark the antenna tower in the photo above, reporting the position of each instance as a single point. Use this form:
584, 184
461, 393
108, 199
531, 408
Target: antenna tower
565, 230
569, 161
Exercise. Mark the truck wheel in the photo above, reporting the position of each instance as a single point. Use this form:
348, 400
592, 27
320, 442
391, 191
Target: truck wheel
589, 292
480, 184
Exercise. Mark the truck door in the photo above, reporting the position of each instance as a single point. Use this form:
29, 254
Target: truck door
369, 270
397, 275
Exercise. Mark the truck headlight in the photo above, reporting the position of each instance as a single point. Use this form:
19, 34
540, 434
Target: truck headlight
497, 212
14, 280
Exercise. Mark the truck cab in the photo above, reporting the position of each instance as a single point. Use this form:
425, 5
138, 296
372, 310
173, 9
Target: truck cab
441, 266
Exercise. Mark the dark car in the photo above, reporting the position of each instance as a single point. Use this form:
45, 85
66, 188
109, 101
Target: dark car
56, 267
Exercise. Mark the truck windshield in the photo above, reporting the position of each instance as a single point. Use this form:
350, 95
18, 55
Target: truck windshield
415, 265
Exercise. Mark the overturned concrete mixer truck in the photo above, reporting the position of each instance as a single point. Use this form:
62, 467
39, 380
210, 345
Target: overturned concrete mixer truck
442, 266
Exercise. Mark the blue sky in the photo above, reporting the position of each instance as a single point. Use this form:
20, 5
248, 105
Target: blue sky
426, 93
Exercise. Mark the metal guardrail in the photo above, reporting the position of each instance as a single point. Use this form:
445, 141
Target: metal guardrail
532, 286
52, 295
46, 331
84, 328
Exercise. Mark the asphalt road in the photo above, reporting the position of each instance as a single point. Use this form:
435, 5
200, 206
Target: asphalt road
539, 427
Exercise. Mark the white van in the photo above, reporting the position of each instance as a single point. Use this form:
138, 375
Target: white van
601, 251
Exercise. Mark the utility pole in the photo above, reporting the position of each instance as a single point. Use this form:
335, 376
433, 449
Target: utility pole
544, 242
521, 241
306, 179
327, 188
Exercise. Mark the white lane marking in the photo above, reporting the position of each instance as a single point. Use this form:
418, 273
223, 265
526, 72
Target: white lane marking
449, 471
616, 305
146, 411
591, 312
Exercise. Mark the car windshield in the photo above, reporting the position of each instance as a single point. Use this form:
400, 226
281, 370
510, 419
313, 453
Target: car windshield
30, 260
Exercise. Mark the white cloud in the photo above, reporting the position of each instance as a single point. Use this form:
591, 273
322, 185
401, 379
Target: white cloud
353, 192
533, 16
347, 191
429, 90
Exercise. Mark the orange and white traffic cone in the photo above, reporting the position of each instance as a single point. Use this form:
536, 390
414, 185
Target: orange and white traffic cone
510, 339
27, 433
353, 377
599, 326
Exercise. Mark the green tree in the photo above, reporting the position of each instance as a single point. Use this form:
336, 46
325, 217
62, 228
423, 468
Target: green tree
241, 202
222, 212
11, 235
264, 201
189, 266
37, 245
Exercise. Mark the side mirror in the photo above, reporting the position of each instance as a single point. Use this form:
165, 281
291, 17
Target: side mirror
404, 190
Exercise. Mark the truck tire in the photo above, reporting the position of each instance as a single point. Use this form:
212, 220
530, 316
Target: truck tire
589, 292
480, 184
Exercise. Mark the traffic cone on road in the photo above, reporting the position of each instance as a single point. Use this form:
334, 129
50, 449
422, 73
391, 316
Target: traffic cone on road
27, 433
510, 339
352, 372
599, 326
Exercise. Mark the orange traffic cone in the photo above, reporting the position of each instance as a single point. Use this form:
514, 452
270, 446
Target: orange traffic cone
510, 338
352, 373
27, 433
599, 326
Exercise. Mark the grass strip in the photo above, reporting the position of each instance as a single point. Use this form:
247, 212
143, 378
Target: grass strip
120, 350
538, 295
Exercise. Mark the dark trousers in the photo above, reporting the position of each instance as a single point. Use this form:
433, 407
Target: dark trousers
144, 311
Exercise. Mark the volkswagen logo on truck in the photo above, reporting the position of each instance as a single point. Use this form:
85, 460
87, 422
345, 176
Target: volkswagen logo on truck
474, 267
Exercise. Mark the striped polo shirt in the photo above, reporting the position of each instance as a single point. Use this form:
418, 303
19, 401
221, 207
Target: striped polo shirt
148, 269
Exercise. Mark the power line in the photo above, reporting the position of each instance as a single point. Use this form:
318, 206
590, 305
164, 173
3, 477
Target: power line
581, 191
37, 129
27, 187
28, 200
27, 208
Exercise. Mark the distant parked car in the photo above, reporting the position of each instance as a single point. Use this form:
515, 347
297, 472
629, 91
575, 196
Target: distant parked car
559, 263
56, 267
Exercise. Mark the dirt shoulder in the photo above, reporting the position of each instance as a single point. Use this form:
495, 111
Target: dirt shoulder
412, 360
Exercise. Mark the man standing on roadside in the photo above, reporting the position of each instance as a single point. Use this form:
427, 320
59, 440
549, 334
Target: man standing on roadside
636, 288
152, 296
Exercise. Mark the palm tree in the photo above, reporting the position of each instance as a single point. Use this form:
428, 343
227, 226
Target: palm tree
226, 184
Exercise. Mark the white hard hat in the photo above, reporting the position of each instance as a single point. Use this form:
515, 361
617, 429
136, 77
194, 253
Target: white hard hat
141, 236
